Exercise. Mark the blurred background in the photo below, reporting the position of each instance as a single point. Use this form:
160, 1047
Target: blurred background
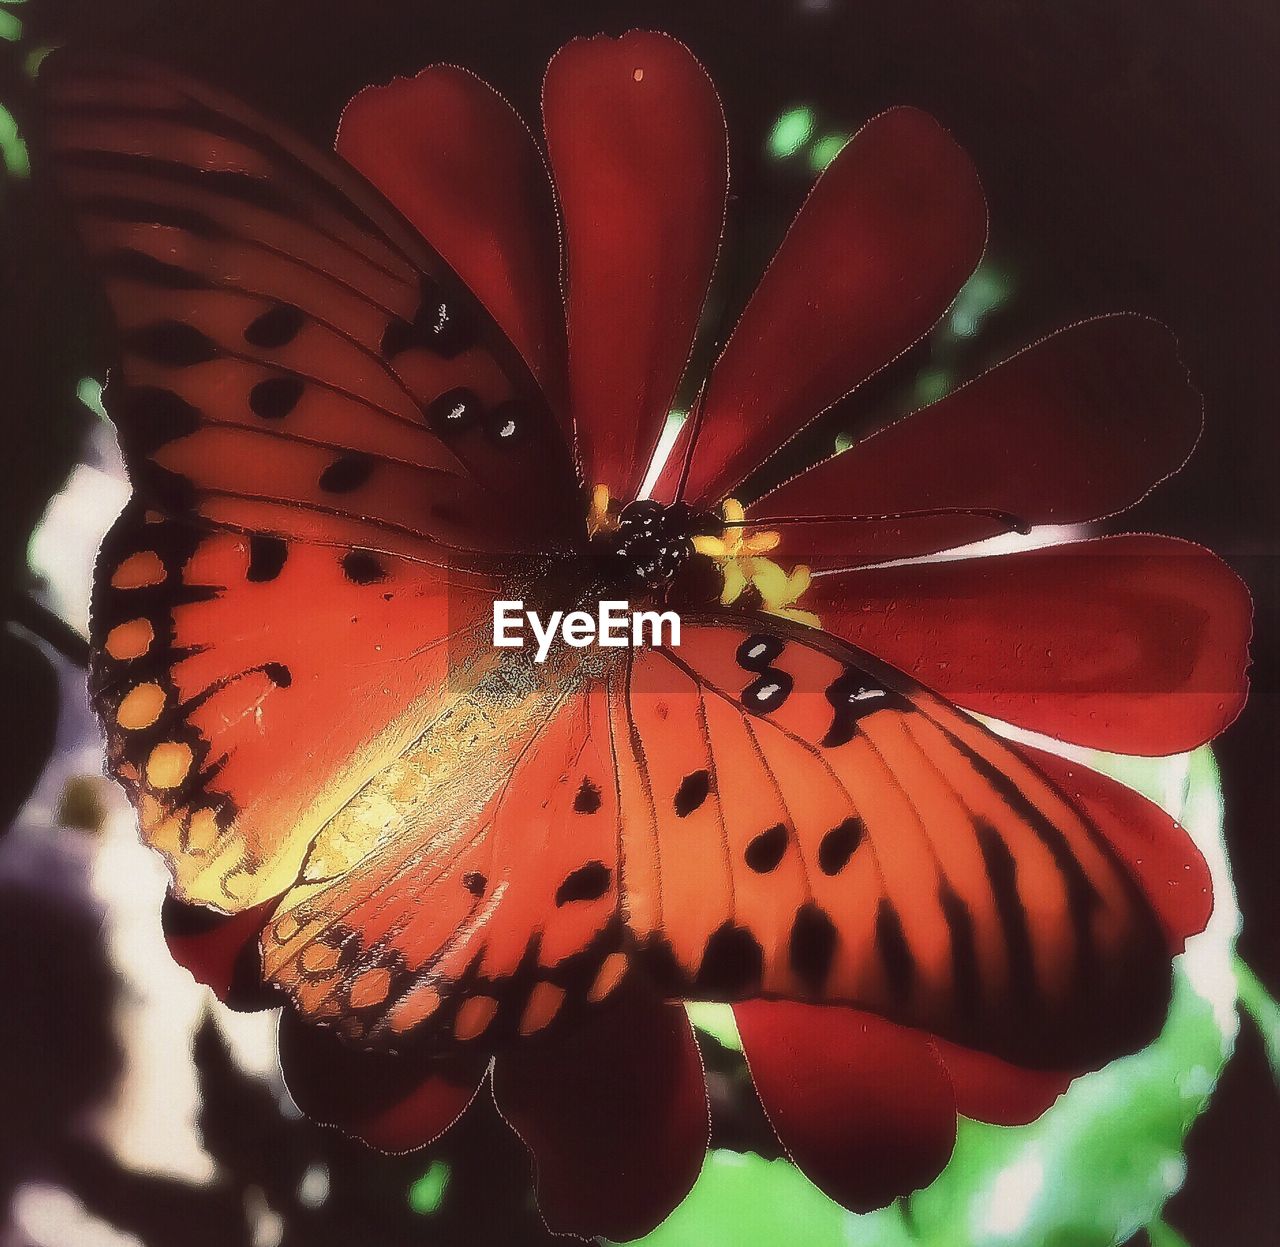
1129, 152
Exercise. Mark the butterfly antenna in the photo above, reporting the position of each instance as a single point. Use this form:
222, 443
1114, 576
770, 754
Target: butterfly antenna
723, 329
695, 426
1013, 523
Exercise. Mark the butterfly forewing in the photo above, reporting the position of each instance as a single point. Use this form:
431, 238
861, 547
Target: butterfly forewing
294, 359
333, 448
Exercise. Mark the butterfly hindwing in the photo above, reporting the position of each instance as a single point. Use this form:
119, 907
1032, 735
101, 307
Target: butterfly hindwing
761, 811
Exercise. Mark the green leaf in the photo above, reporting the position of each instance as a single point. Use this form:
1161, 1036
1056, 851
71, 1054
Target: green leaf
790, 132
427, 1193
1095, 1169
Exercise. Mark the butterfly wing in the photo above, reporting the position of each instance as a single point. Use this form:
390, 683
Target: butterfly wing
294, 359
333, 449
763, 811
248, 683
879, 849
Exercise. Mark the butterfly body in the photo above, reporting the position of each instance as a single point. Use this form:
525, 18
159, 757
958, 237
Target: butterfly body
651, 544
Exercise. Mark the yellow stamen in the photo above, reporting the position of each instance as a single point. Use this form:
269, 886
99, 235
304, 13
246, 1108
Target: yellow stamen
740, 556
712, 547
599, 518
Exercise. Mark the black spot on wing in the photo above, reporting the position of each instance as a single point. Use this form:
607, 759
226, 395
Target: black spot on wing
439, 326
838, 846
172, 343
768, 692
266, 557
507, 423
852, 697
587, 800
812, 947
346, 473
732, 963
692, 793
275, 328
766, 850
278, 674
127, 264
362, 568
758, 651
895, 953
587, 883
275, 398
475, 882
148, 417
453, 411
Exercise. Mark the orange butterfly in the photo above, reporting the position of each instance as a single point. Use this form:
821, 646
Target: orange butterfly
351, 427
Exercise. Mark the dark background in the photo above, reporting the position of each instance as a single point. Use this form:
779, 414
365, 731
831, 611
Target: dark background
1130, 154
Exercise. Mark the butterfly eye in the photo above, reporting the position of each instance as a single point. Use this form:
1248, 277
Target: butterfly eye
758, 651
768, 692
454, 411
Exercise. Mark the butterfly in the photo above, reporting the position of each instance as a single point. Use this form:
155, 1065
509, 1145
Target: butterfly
340, 461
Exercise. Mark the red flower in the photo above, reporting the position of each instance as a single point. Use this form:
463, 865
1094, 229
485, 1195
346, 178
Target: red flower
1133, 643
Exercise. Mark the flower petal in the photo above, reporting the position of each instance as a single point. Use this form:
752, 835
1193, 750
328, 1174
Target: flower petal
989, 1089
862, 1106
393, 1101
1160, 854
1078, 426
220, 950
1135, 643
637, 143
615, 1114
878, 251
456, 160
